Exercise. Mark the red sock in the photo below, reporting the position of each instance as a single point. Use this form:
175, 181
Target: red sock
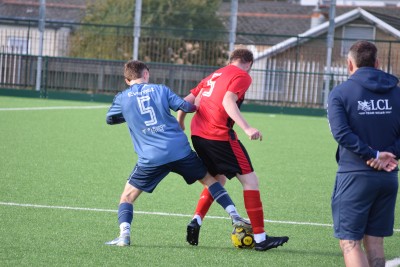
204, 203
254, 209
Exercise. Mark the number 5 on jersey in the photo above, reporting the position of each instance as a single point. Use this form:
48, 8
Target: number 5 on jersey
147, 110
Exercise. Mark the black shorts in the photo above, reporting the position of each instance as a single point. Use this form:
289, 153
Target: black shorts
223, 157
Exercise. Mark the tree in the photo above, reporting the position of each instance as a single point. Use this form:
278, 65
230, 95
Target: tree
186, 14
177, 31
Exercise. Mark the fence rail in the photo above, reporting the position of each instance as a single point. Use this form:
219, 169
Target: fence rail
90, 76
89, 58
299, 86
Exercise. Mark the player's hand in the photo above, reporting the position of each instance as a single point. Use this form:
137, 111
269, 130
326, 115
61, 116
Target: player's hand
386, 161
253, 134
391, 165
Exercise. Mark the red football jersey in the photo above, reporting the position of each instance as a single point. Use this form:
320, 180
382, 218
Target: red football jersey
211, 120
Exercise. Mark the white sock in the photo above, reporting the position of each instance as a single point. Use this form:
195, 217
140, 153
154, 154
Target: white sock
198, 218
231, 209
124, 229
260, 237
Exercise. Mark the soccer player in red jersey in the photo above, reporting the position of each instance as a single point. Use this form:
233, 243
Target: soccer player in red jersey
220, 96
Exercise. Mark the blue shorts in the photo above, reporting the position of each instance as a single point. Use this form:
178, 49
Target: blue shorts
191, 168
363, 203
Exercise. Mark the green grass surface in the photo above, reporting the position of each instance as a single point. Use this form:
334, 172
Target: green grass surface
70, 158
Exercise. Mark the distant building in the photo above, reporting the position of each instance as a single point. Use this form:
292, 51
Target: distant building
295, 67
359, 3
19, 20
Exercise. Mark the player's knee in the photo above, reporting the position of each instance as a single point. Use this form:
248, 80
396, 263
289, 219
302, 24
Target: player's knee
349, 246
127, 198
250, 184
249, 181
208, 180
221, 179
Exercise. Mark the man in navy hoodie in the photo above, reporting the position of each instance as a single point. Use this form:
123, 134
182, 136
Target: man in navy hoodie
364, 117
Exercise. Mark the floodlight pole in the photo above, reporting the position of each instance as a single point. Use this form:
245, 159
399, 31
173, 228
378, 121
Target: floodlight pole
330, 37
232, 32
136, 29
42, 13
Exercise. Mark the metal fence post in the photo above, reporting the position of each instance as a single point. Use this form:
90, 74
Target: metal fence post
42, 12
232, 30
136, 28
331, 33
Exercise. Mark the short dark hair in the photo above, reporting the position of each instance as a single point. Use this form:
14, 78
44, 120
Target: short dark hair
243, 54
133, 69
364, 54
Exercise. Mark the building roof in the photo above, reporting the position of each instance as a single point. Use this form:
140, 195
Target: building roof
323, 28
255, 17
288, 18
56, 10
264, 17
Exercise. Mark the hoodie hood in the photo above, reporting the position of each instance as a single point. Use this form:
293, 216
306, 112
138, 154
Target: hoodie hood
374, 79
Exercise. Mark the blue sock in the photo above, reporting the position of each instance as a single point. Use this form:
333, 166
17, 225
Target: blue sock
125, 213
220, 195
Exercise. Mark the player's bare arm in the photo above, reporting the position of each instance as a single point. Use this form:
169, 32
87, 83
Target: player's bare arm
181, 114
229, 103
198, 98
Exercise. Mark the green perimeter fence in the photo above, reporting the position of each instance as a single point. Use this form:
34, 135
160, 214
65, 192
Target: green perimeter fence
298, 85
93, 77
88, 59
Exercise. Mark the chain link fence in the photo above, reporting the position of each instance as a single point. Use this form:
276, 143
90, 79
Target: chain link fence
89, 59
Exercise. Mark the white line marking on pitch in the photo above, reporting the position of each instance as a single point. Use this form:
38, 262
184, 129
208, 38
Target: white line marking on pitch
393, 263
156, 213
53, 108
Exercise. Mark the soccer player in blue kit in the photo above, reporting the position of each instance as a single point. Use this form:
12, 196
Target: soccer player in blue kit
161, 145
364, 117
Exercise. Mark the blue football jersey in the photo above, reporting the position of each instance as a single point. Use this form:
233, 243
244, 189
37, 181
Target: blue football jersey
156, 134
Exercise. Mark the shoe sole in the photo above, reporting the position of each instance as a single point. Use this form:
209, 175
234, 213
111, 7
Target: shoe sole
119, 242
272, 246
192, 236
118, 245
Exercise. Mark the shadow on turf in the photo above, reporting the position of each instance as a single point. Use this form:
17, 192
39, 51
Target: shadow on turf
284, 249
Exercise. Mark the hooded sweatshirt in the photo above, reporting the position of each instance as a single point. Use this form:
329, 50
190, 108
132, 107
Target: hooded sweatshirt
364, 117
